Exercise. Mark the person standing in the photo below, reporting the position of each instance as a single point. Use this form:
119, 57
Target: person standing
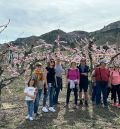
59, 70
93, 98
30, 97
73, 77
84, 70
102, 78
37, 75
115, 84
49, 76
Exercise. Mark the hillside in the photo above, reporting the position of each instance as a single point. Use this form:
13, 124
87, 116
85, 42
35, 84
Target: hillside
110, 33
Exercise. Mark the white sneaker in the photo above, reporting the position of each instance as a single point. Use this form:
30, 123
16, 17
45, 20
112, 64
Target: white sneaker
27, 117
51, 109
31, 119
44, 109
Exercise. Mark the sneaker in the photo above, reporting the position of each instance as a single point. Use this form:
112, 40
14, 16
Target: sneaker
75, 107
81, 102
51, 109
44, 109
114, 104
86, 103
31, 119
58, 103
27, 117
118, 105
93, 102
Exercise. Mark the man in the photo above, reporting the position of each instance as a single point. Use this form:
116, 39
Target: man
38, 77
83, 85
101, 77
58, 76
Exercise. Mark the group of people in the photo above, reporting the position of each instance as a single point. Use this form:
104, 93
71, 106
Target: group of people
48, 84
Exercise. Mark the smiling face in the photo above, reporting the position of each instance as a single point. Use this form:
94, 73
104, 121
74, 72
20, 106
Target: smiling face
103, 64
58, 61
116, 68
31, 83
38, 67
83, 62
73, 64
52, 63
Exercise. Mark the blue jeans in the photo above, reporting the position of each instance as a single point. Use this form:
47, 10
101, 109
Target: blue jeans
101, 88
37, 100
56, 94
50, 94
93, 93
30, 105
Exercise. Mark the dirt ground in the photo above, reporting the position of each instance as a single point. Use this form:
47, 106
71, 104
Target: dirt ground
13, 112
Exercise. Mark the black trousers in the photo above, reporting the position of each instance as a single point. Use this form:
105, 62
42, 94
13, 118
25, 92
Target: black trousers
116, 92
57, 89
75, 90
108, 92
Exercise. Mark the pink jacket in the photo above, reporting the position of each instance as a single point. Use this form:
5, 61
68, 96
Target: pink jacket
73, 74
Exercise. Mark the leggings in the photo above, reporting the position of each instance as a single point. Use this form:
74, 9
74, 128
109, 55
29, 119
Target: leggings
75, 90
116, 91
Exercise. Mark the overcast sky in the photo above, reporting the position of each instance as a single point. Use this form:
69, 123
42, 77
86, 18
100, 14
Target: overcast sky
35, 17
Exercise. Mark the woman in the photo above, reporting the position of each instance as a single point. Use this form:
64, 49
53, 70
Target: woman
37, 75
59, 71
94, 85
50, 85
73, 77
115, 84
83, 69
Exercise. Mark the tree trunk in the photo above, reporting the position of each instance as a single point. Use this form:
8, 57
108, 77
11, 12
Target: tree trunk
0, 97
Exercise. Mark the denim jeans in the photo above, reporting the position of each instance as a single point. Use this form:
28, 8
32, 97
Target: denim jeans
101, 88
37, 100
50, 95
93, 93
75, 90
30, 105
57, 89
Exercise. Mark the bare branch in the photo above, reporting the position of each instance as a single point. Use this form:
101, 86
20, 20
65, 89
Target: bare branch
4, 26
114, 58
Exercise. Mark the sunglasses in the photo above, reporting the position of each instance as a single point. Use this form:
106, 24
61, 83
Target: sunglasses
52, 61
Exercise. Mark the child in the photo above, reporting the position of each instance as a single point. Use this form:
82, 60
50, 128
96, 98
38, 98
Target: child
30, 98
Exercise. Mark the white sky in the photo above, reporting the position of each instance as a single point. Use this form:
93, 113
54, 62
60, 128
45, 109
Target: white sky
36, 17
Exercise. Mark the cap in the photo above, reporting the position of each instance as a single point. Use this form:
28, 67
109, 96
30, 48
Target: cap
103, 61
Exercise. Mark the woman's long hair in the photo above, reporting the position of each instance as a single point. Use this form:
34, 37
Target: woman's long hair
31, 79
48, 63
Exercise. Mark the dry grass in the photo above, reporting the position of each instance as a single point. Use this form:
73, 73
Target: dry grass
13, 112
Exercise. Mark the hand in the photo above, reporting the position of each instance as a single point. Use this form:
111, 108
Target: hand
94, 84
85, 74
36, 91
33, 100
43, 91
33, 97
109, 85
